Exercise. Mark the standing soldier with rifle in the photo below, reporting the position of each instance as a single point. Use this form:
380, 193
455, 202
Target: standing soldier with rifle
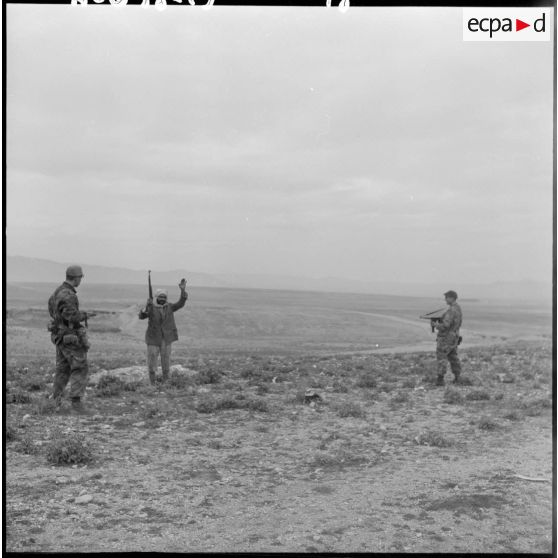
161, 328
448, 338
70, 338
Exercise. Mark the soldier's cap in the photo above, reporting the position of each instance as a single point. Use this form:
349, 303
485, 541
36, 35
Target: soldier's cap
161, 293
452, 294
74, 271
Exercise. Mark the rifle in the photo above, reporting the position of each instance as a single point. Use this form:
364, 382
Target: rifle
149, 283
434, 317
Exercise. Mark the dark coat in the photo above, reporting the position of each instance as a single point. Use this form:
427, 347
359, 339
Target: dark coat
161, 325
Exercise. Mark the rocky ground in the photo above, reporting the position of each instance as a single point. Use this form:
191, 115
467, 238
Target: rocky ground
233, 455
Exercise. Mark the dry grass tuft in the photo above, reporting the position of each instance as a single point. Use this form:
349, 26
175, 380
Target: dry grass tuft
350, 409
434, 438
68, 449
453, 396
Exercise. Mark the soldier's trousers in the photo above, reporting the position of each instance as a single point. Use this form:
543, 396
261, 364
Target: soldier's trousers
445, 353
71, 365
153, 352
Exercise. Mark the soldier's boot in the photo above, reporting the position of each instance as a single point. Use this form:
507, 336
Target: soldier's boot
78, 408
442, 367
456, 371
152, 378
56, 396
165, 377
57, 403
60, 382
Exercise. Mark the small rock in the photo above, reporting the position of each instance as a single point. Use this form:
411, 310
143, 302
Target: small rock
84, 499
142, 423
62, 480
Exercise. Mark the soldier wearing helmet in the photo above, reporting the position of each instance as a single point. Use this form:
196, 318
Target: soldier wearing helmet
69, 336
448, 339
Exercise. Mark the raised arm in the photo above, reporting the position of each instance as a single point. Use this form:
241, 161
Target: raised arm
183, 297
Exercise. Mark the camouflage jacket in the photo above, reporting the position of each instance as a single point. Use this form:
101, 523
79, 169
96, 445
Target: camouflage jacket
448, 326
63, 307
161, 325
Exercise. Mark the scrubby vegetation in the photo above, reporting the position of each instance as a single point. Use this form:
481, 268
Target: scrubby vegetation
350, 409
453, 396
434, 438
68, 448
112, 386
232, 432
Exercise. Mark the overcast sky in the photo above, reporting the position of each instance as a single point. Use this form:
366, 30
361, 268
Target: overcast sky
373, 144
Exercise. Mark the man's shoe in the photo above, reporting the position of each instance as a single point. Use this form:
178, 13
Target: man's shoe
456, 380
78, 408
440, 381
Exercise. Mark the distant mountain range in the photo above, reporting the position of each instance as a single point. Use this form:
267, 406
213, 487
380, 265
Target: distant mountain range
34, 270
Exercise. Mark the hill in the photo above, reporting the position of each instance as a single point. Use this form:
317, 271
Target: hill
23, 269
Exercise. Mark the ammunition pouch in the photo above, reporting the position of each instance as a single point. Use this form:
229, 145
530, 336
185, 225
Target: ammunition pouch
54, 329
62, 334
75, 338
459, 340
70, 339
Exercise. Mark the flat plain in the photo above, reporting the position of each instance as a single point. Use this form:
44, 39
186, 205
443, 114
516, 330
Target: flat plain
231, 456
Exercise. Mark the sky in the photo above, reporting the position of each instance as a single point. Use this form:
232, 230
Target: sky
372, 144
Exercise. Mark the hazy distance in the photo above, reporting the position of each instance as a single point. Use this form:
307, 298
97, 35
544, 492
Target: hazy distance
372, 146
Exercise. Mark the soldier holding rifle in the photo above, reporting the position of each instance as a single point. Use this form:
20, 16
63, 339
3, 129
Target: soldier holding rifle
161, 328
69, 335
448, 338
